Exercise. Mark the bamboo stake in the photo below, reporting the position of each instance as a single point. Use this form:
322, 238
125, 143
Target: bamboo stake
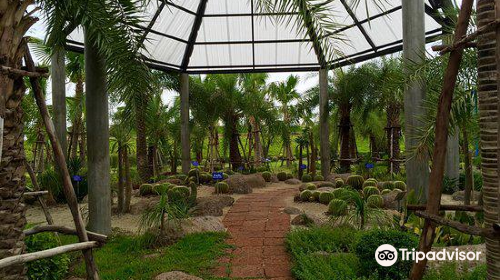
441, 138
69, 192
19, 259
17, 72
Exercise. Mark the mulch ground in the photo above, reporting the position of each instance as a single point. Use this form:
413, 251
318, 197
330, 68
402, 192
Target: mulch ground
257, 226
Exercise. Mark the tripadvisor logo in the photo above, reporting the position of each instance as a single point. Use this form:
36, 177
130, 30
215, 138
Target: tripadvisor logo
386, 255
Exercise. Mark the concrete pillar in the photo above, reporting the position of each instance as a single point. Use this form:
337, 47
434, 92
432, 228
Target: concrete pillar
58, 77
185, 141
417, 168
324, 128
98, 164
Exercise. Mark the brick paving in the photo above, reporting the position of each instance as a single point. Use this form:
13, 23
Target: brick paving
257, 227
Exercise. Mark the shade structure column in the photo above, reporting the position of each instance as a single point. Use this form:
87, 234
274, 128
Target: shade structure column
324, 128
98, 163
185, 139
58, 76
417, 167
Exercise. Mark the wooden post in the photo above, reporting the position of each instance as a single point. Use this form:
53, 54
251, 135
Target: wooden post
68, 190
324, 127
185, 141
441, 138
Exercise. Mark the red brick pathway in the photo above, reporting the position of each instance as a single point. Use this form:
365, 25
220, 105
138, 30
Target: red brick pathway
257, 226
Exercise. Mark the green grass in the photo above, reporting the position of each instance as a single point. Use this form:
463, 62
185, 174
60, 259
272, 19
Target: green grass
123, 257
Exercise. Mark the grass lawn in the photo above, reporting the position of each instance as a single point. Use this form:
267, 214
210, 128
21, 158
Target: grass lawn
123, 257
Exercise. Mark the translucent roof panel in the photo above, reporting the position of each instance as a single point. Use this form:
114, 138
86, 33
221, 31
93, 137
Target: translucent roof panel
209, 36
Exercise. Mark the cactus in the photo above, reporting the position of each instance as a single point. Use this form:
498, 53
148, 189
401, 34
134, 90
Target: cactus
305, 195
178, 193
337, 207
339, 183
194, 193
289, 176
261, 169
384, 192
372, 180
316, 195
388, 185
161, 188
267, 176
369, 183
146, 189
194, 173
306, 178
282, 176
326, 197
221, 187
375, 201
368, 191
337, 193
355, 181
311, 187
225, 176
318, 177
327, 185
400, 185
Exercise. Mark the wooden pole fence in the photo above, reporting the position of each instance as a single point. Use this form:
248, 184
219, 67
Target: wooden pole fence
466, 208
65, 230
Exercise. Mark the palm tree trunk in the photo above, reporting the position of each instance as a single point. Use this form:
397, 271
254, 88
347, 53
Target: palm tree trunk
345, 138
82, 144
77, 122
141, 142
121, 180
234, 151
468, 167
393, 134
128, 183
301, 171
488, 92
256, 141
314, 154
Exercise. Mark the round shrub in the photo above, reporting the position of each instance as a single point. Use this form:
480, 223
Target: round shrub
318, 177
368, 183
355, 181
146, 189
315, 195
339, 183
375, 201
46, 269
326, 197
367, 191
306, 178
337, 193
305, 195
400, 185
337, 207
384, 192
221, 187
267, 176
281, 176
368, 243
194, 172
311, 187
289, 176
389, 185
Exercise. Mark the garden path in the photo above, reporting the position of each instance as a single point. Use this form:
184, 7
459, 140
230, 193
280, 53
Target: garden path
257, 226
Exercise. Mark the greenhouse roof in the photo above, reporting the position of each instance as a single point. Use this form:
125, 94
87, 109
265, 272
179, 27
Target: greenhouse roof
224, 36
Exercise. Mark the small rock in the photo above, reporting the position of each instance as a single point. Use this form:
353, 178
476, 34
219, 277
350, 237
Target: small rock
171, 181
212, 205
202, 224
143, 204
176, 275
293, 182
391, 199
325, 189
274, 179
292, 211
243, 184
306, 220
460, 196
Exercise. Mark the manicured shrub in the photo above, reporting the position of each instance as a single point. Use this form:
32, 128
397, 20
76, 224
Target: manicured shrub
384, 192
355, 181
337, 207
369, 184
326, 197
315, 195
281, 176
311, 187
375, 201
305, 195
318, 177
306, 178
221, 187
367, 191
400, 185
289, 176
368, 243
389, 185
146, 189
267, 176
54, 268
339, 183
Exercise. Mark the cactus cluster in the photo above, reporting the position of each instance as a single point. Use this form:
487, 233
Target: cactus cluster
337, 207
368, 191
400, 185
178, 193
282, 176
311, 187
339, 183
221, 187
384, 192
315, 196
375, 201
205, 178
194, 173
326, 197
356, 182
146, 189
306, 178
267, 176
388, 185
369, 183
337, 193
318, 177
305, 195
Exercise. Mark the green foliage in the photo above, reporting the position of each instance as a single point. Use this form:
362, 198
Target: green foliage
477, 178
267, 176
400, 185
368, 243
339, 183
452, 271
161, 188
337, 193
311, 186
289, 175
54, 268
221, 187
178, 194
315, 195
367, 191
205, 178
195, 172
194, 193
388, 185
355, 181
375, 201
337, 207
306, 178
322, 239
326, 197
305, 195
318, 177
282, 176
225, 175
261, 169
146, 189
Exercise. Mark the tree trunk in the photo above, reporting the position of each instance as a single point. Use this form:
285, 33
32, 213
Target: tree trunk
301, 171
77, 121
353, 148
234, 151
469, 181
345, 137
488, 92
151, 161
121, 180
128, 182
314, 153
393, 134
141, 141
257, 142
